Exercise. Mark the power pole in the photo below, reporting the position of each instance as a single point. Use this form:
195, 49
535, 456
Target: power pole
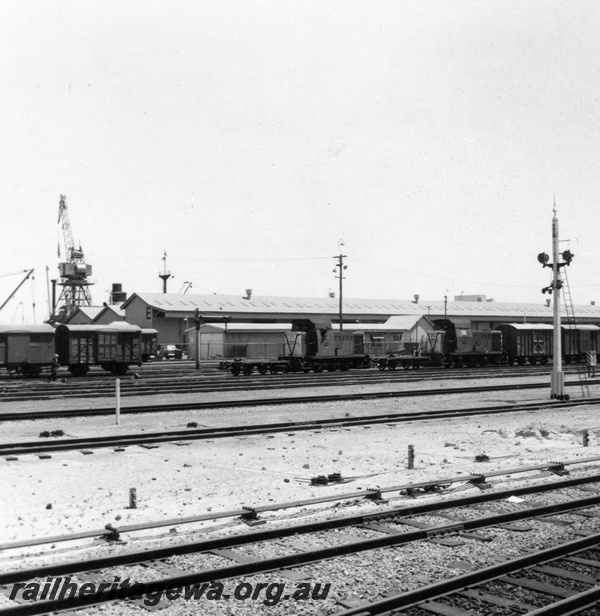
340, 275
198, 321
557, 387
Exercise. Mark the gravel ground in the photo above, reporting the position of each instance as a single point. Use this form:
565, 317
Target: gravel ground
71, 491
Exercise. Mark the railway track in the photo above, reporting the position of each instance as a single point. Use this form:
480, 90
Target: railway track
253, 512
293, 551
281, 400
123, 440
560, 580
173, 380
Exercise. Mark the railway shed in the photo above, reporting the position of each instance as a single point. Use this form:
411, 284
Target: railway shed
172, 315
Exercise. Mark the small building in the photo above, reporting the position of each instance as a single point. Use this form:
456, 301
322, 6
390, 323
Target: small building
109, 314
84, 315
398, 333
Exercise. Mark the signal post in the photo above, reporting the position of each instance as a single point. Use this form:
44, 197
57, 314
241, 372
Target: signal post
557, 385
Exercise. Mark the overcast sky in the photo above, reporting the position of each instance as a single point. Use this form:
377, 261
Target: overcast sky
246, 139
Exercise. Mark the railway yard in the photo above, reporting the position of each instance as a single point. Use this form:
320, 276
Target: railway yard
416, 492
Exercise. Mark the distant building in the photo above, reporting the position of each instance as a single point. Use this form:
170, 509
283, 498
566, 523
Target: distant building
84, 315
172, 315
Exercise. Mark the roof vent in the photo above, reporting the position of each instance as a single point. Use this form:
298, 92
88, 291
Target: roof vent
548, 302
593, 303
416, 300
248, 294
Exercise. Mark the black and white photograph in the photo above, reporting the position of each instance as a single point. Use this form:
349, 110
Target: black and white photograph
300, 308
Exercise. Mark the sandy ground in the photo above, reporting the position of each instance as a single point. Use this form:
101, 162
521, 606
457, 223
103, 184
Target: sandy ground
71, 491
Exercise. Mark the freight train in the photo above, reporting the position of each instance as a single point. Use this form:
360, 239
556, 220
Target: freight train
27, 350
316, 346
450, 346
533, 342
310, 345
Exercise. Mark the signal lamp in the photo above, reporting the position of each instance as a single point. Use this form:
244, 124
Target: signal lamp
567, 255
543, 258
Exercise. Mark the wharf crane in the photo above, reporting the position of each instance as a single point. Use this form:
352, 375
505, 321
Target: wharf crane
27, 273
74, 272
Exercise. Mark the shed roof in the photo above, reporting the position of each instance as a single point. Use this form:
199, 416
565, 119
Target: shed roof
406, 321
90, 312
180, 304
27, 329
528, 326
115, 326
119, 312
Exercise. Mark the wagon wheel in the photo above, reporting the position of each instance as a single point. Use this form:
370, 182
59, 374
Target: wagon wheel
544, 360
381, 364
391, 365
262, 369
405, 365
235, 370
119, 369
317, 368
30, 370
521, 361
273, 370
248, 370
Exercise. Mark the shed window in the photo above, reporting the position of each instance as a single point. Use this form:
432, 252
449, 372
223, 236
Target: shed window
148, 313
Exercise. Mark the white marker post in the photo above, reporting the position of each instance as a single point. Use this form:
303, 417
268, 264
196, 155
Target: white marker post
118, 409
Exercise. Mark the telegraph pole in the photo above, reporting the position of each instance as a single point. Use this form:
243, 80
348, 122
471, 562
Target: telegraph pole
340, 274
557, 387
198, 321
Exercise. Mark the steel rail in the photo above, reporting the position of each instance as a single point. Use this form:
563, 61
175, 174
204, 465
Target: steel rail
366, 494
261, 429
276, 401
287, 561
414, 598
572, 605
194, 384
136, 557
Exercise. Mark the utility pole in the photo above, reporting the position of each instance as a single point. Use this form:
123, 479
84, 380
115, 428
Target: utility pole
557, 387
340, 274
198, 321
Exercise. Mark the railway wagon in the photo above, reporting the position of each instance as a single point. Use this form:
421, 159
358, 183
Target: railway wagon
321, 348
452, 346
149, 344
578, 340
310, 345
526, 342
26, 350
114, 347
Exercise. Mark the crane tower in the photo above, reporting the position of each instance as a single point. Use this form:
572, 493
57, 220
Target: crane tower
73, 272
